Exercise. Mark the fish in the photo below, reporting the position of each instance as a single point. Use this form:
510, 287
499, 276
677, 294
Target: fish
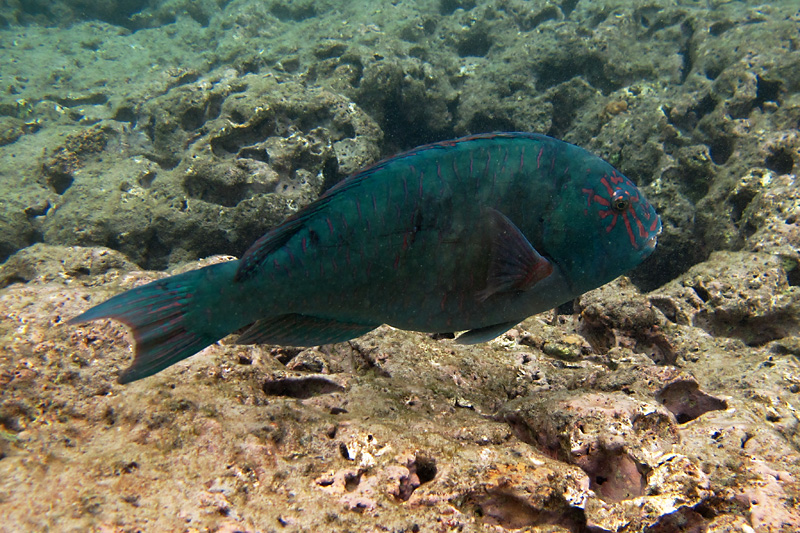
469, 235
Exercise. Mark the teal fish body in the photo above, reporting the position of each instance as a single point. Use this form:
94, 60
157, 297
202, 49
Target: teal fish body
473, 234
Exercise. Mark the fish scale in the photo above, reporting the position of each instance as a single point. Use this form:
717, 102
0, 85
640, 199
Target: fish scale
472, 234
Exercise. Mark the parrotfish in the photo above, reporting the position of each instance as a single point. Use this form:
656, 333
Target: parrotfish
474, 234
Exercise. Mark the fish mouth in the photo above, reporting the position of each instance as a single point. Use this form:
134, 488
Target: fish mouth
650, 244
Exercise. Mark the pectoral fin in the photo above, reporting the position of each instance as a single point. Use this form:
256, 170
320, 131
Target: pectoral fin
515, 264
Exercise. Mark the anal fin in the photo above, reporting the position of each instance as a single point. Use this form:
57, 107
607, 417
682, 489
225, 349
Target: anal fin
302, 330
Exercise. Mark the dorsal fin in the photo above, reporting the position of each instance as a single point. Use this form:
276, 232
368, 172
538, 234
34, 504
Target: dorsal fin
255, 256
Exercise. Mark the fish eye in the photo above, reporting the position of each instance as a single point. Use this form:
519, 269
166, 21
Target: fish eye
620, 203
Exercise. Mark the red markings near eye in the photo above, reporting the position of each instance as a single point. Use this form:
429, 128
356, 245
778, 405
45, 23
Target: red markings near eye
619, 188
589, 194
610, 189
630, 231
602, 201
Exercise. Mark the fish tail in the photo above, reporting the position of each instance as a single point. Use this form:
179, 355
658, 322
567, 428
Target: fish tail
173, 318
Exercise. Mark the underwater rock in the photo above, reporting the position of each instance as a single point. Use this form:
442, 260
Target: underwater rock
45, 263
400, 429
246, 167
735, 294
201, 148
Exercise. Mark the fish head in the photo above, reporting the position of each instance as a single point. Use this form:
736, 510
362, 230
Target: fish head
607, 226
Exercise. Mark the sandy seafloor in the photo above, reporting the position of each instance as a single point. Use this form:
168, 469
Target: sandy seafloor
138, 137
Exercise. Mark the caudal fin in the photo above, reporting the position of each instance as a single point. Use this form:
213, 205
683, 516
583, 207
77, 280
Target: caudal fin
171, 319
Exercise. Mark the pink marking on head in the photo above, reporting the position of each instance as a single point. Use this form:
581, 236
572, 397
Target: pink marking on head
521, 159
615, 179
589, 195
639, 225
630, 231
602, 201
344, 222
442, 302
405, 242
604, 181
654, 225
539, 158
396, 261
330, 225
358, 208
303, 244
374, 203
405, 189
421, 177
